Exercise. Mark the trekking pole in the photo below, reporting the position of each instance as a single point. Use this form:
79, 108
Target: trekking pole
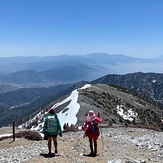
102, 138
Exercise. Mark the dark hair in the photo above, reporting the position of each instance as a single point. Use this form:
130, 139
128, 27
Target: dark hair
52, 111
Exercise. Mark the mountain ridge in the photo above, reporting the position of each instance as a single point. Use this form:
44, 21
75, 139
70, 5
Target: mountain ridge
148, 84
47, 96
88, 67
113, 104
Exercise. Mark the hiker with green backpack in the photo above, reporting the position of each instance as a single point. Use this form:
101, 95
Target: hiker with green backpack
92, 130
51, 129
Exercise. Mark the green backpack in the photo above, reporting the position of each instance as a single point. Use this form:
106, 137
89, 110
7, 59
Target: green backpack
52, 125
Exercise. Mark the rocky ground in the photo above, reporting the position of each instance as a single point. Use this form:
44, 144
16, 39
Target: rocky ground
115, 145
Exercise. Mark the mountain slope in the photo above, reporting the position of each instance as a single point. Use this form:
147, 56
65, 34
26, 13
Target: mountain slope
114, 105
28, 101
148, 84
22, 103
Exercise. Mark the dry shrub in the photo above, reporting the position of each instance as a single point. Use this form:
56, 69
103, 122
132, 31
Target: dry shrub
4, 137
108, 125
30, 135
72, 128
27, 134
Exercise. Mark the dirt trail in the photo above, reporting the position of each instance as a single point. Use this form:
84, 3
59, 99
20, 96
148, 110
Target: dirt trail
111, 148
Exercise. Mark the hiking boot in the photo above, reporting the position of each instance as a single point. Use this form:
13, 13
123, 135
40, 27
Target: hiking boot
91, 154
95, 146
56, 151
49, 153
95, 153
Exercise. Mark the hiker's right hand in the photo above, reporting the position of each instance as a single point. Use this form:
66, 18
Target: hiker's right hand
60, 135
98, 114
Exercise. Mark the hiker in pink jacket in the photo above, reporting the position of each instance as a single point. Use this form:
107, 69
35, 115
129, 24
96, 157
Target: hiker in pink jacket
92, 130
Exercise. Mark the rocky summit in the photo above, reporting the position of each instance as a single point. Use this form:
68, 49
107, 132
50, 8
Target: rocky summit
115, 145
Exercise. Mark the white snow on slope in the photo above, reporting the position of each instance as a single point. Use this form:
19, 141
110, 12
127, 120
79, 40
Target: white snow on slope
69, 116
5, 135
127, 114
154, 81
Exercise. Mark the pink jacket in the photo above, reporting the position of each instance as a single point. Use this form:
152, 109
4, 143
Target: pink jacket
97, 120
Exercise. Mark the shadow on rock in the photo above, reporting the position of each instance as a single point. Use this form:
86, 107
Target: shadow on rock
90, 155
47, 155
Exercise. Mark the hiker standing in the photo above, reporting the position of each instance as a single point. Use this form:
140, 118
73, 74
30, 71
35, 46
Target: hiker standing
92, 130
51, 129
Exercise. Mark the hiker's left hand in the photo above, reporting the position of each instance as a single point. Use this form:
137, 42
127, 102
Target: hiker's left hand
60, 135
98, 114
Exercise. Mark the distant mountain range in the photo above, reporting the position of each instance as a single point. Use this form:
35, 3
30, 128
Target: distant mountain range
30, 84
71, 68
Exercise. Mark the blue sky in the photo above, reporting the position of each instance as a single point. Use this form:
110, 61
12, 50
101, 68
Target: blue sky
54, 27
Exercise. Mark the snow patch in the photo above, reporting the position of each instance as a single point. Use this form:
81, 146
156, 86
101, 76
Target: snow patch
126, 113
69, 116
154, 81
85, 86
66, 115
5, 135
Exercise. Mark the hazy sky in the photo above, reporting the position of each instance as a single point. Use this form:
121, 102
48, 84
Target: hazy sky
54, 27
